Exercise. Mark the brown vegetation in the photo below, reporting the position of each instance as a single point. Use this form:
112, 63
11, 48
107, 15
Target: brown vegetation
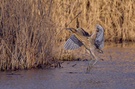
32, 31
26, 33
116, 16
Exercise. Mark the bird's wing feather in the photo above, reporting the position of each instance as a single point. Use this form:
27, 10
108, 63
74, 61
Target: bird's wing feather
72, 43
83, 32
99, 41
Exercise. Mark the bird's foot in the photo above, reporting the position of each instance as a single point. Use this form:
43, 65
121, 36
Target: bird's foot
89, 68
91, 64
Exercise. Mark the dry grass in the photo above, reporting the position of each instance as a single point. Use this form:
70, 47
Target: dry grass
26, 34
32, 31
116, 16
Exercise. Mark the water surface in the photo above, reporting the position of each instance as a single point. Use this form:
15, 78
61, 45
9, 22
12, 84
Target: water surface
117, 71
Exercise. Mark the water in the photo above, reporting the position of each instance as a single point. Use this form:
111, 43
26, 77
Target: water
117, 71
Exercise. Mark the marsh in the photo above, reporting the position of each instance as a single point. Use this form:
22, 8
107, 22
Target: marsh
117, 71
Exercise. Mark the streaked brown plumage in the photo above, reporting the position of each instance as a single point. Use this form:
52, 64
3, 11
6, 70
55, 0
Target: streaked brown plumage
90, 42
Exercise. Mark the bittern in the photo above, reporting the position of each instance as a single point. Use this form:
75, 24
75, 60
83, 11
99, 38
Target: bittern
90, 42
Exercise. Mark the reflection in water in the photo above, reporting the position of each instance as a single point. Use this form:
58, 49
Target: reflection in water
123, 45
117, 73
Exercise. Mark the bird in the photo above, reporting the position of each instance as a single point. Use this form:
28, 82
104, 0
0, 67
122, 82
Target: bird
91, 42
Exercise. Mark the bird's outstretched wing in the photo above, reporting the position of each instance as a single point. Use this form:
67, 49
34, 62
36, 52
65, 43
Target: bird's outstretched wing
99, 41
72, 43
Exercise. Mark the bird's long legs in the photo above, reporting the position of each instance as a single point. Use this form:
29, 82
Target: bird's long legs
93, 61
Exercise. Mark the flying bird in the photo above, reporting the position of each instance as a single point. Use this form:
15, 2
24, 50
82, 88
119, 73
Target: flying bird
92, 42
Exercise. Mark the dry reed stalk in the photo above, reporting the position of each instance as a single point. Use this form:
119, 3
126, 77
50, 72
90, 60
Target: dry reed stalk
26, 34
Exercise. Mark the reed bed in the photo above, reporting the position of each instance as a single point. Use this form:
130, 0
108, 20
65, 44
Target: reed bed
116, 16
26, 34
32, 32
